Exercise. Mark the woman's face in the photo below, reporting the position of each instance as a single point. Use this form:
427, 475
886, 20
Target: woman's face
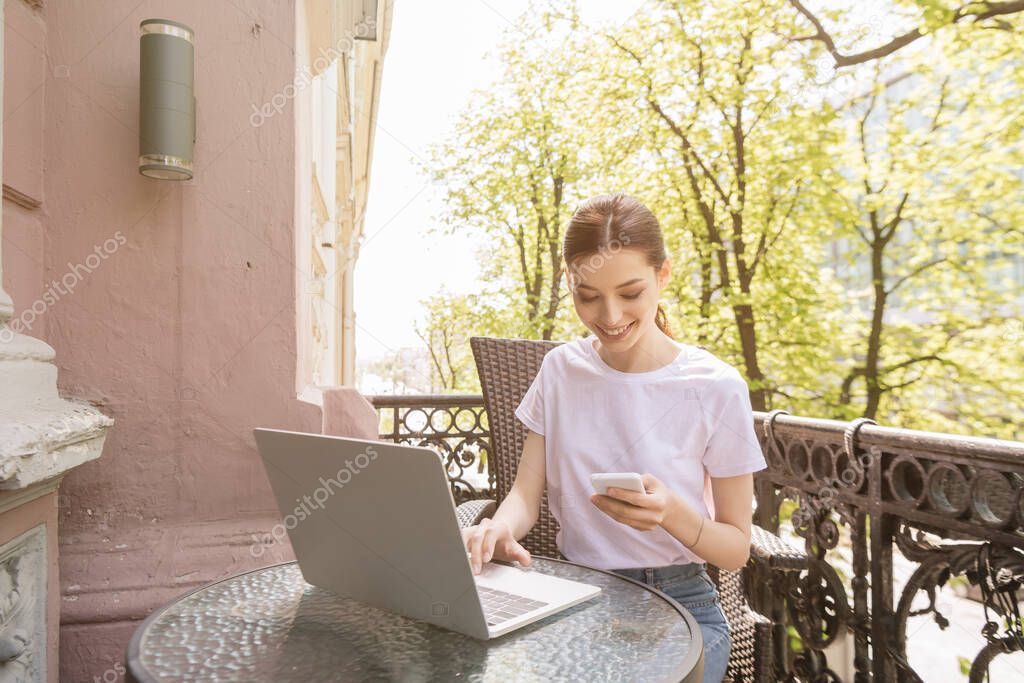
616, 295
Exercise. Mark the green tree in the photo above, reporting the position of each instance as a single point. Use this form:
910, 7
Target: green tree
450, 320
728, 163
923, 17
513, 168
844, 238
927, 181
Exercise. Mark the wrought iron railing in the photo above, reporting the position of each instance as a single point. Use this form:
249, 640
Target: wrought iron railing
952, 506
949, 506
453, 425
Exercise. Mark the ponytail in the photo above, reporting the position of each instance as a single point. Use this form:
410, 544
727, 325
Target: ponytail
661, 320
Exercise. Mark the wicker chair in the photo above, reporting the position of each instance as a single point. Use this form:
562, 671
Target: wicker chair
507, 368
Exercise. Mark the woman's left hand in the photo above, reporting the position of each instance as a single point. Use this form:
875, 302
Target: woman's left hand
643, 511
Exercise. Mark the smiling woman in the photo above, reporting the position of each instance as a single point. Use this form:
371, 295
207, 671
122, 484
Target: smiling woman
667, 402
609, 239
630, 398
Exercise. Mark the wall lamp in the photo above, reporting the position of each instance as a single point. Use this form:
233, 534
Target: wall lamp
167, 105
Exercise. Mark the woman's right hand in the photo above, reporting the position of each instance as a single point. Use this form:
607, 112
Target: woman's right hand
494, 539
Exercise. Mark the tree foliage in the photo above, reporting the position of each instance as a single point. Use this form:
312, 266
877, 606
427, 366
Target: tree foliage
847, 238
923, 18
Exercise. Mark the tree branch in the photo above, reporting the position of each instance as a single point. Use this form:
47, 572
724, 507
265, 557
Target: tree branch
913, 273
975, 11
889, 229
846, 390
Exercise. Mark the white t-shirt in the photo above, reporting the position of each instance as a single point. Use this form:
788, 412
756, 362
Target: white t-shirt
682, 422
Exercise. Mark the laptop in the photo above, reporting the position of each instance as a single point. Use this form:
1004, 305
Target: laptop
375, 521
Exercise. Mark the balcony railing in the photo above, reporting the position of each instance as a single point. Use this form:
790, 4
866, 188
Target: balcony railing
951, 507
453, 425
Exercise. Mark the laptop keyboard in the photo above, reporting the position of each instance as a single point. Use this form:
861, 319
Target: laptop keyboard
500, 606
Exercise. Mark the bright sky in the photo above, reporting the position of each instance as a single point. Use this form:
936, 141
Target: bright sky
435, 58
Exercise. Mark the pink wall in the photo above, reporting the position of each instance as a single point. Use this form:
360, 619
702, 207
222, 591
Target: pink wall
24, 81
184, 331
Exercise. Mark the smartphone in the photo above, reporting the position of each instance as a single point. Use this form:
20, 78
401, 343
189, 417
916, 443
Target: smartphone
623, 480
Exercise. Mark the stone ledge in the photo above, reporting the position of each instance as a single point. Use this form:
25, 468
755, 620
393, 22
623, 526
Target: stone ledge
16, 346
44, 440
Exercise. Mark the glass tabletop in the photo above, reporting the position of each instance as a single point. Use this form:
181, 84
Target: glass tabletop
270, 625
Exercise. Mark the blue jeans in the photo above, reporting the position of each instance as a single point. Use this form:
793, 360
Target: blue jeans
691, 587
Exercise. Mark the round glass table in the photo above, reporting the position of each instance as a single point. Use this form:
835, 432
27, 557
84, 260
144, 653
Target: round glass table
270, 625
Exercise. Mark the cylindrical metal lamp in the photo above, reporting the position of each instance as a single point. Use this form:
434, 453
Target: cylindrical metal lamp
167, 105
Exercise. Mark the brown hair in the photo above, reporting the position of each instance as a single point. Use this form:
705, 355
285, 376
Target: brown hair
609, 222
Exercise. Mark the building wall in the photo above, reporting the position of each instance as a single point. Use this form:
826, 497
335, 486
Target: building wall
176, 314
24, 81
